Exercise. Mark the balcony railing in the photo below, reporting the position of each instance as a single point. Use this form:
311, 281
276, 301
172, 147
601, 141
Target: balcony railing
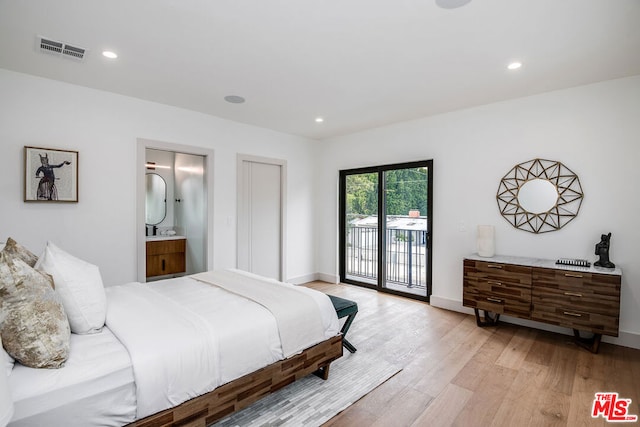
405, 255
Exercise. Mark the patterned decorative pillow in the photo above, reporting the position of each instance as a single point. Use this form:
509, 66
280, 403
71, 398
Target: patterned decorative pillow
35, 330
16, 250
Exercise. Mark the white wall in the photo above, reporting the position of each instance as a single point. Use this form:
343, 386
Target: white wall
594, 130
104, 128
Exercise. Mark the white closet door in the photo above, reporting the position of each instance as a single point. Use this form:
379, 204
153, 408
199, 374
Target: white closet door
260, 217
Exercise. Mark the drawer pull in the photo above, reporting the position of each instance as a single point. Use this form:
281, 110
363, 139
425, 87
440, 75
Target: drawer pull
494, 299
570, 313
495, 283
572, 294
578, 276
494, 266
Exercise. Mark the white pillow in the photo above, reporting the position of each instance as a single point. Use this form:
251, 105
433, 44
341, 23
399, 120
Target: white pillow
80, 287
6, 361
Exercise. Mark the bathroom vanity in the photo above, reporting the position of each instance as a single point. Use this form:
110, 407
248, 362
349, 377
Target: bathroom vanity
166, 255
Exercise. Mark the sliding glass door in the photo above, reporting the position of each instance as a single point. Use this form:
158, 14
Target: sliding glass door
361, 227
385, 227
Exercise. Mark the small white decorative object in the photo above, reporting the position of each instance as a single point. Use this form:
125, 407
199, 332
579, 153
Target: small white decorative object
486, 241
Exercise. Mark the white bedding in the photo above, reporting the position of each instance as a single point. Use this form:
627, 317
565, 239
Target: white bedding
98, 381
253, 341
94, 388
297, 314
165, 340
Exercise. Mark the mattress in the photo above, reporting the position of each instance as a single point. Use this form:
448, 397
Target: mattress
95, 387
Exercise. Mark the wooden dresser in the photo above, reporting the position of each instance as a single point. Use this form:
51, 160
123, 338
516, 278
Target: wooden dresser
166, 256
581, 298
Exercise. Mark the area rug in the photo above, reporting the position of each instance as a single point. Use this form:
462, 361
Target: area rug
311, 401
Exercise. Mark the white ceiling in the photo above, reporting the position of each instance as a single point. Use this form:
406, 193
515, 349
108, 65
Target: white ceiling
357, 63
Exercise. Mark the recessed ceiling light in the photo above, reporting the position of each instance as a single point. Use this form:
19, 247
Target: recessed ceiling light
319, 120
234, 99
109, 54
514, 65
451, 4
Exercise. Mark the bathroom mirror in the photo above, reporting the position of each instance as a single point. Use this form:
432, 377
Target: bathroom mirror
539, 196
156, 199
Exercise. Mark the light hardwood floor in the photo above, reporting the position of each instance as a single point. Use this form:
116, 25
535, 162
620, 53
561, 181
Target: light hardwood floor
455, 373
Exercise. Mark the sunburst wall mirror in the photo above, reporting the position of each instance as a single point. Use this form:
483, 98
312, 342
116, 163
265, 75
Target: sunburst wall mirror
539, 196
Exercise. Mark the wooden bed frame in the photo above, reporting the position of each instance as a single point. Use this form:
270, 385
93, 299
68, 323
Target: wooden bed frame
240, 393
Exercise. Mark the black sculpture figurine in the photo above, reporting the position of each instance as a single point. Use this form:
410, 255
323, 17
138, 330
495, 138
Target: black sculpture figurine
602, 250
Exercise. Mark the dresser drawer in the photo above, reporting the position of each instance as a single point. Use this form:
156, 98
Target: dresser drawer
504, 299
575, 299
585, 292
573, 317
579, 300
499, 288
596, 284
498, 272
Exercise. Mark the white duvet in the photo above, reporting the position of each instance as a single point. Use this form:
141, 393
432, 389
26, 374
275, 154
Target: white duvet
165, 341
296, 313
186, 337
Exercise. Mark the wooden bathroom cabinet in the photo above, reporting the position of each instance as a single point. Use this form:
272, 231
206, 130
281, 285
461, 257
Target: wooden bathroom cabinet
166, 257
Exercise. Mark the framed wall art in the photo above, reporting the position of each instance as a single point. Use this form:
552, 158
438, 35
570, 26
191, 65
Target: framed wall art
50, 175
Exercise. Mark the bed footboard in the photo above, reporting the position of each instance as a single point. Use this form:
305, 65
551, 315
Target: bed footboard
240, 393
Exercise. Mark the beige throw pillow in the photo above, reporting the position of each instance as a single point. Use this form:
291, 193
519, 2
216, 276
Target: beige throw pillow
34, 328
16, 250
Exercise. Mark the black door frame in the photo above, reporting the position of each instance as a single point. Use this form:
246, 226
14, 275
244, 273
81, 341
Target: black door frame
382, 234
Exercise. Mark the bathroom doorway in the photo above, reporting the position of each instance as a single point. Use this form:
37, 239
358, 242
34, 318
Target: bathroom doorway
188, 173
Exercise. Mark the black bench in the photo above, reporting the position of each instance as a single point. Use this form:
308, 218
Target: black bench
345, 307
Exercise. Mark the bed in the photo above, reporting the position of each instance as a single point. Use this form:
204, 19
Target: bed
185, 350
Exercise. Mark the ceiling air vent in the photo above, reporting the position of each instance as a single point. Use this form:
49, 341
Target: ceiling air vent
61, 48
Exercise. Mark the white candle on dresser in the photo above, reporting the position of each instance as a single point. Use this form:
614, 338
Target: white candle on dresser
486, 241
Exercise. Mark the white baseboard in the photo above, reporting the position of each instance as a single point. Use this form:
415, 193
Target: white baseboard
625, 338
329, 278
449, 304
301, 280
